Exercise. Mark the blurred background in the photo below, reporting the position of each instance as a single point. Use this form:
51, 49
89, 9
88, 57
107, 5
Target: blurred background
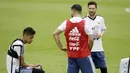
46, 15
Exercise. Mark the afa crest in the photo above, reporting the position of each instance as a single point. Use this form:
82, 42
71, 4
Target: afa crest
98, 22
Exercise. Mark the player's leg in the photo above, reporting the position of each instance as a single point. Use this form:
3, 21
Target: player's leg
99, 61
24, 70
72, 66
93, 58
104, 67
103, 70
37, 70
86, 65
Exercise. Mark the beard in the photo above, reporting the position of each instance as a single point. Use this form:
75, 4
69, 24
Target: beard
92, 13
71, 15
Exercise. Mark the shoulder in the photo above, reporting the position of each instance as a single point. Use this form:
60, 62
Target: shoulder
85, 18
62, 25
18, 42
100, 17
64, 22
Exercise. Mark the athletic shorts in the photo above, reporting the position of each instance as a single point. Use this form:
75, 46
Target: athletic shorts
98, 59
29, 70
83, 64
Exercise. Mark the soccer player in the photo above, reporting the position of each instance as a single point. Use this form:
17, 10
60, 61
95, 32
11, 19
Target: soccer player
99, 28
15, 58
77, 35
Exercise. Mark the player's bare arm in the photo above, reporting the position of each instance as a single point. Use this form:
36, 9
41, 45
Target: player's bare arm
27, 65
57, 39
101, 34
103, 30
90, 38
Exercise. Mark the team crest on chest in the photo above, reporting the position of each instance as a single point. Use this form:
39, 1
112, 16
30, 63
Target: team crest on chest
98, 23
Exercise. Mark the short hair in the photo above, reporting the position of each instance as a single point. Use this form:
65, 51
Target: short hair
77, 7
29, 31
92, 3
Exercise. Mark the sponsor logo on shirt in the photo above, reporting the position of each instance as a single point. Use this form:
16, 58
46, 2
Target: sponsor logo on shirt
74, 37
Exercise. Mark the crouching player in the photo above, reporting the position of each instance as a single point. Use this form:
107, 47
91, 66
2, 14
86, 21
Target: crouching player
15, 57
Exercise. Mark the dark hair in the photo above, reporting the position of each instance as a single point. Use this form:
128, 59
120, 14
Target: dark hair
29, 31
92, 3
77, 7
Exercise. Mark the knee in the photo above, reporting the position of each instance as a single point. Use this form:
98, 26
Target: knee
37, 71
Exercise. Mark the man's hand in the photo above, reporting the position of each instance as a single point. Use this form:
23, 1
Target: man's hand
26, 64
98, 35
57, 39
33, 65
37, 65
64, 49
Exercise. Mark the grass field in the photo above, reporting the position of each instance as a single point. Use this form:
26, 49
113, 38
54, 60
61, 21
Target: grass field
46, 15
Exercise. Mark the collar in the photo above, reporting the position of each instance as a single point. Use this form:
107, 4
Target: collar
91, 18
76, 19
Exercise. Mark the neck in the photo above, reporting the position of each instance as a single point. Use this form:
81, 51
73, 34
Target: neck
24, 40
92, 16
77, 15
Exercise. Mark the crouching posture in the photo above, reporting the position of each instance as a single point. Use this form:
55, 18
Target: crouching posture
15, 57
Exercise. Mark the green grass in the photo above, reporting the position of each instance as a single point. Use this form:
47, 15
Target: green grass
46, 15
